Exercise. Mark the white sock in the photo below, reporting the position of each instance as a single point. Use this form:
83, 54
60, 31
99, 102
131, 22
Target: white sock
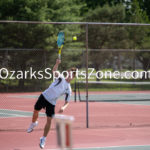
44, 138
34, 123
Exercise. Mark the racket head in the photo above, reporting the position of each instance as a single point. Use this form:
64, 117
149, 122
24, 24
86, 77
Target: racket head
60, 39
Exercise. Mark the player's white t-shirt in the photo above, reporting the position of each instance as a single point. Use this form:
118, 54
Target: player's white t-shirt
59, 87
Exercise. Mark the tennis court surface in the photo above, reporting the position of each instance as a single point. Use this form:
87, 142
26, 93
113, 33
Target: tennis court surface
118, 148
123, 125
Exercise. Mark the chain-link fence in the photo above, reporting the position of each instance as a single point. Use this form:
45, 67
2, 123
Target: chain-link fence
115, 56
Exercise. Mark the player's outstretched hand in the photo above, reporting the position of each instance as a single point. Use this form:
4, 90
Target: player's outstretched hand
61, 110
58, 61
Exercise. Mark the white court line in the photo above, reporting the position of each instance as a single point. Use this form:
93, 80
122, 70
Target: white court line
13, 114
121, 146
23, 96
7, 114
124, 146
15, 110
19, 110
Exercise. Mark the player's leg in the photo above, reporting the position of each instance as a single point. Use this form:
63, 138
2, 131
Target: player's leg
35, 116
37, 107
47, 126
34, 121
50, 111
46, 130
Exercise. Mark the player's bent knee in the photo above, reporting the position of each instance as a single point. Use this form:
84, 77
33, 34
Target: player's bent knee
49, 119
36, 111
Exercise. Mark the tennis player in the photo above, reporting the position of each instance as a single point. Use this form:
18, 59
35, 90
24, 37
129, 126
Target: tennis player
48, 98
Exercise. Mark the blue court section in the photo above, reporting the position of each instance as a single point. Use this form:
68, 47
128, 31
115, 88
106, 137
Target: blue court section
136, 102
116, 97
16, 113
126, 98
141, 147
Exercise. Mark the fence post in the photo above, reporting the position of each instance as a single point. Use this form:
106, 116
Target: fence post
87, 107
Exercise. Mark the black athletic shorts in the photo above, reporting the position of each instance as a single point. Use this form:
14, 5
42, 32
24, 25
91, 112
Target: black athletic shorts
43, 103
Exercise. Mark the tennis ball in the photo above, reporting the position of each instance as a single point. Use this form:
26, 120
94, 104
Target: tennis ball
74, 38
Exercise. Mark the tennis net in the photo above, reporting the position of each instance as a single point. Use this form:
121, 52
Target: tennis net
113, 91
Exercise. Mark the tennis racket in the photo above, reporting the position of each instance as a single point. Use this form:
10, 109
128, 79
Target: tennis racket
60, 42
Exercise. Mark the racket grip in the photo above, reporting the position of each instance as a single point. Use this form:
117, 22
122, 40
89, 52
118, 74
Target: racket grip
59, 56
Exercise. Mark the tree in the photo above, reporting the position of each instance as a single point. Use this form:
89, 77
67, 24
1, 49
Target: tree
140, 35
36, 36
145, 6
100, 3
24, 35
106, 37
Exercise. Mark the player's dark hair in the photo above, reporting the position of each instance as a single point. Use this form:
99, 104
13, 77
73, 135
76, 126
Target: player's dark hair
73, 69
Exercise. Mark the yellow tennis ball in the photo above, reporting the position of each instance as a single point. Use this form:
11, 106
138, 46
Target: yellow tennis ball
74, 38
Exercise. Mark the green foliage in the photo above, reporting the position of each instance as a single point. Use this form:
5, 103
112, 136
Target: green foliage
23, 10
96, 3
37, 36
64, 10
140, 35
145, 6
107, 14
136, 14
103, 37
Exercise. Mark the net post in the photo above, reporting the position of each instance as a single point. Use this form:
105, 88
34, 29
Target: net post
78, 91
75, 91
87, 107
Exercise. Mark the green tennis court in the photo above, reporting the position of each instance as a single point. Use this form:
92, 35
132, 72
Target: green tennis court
16, 113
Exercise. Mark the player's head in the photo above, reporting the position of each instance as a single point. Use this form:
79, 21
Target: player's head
72, 73
73, 70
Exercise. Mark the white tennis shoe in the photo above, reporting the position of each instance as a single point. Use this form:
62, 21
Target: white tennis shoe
30, 129
42, 142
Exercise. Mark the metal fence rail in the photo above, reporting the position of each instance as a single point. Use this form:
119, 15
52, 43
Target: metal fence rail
81, 23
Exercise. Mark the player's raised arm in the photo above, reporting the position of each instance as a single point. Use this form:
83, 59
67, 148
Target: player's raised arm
55, 68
